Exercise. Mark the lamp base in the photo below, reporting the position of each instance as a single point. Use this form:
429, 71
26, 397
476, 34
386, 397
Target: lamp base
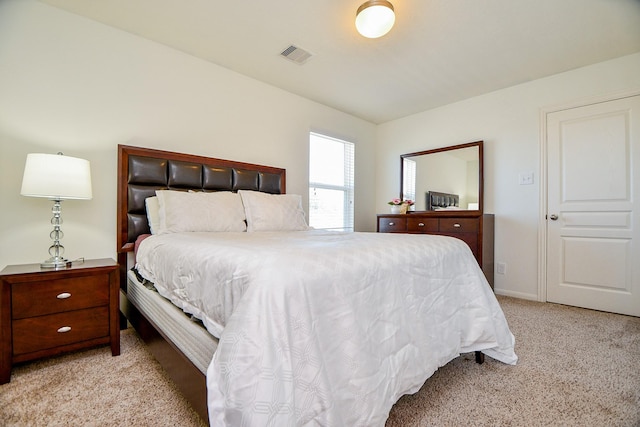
56, 263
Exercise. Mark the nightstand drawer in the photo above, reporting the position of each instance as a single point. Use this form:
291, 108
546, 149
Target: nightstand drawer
59, 295
55, 330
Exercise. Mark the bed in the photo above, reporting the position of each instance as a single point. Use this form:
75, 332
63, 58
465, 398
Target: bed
310, 328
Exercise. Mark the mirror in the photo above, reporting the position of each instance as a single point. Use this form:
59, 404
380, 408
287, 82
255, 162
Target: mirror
447, 178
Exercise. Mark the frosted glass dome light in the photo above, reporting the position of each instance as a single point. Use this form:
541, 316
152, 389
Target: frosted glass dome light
375, 18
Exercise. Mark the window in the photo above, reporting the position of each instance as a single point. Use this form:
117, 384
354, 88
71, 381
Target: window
331, 164
409, 179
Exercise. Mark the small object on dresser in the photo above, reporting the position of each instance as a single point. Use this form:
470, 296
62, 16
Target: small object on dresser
399, 206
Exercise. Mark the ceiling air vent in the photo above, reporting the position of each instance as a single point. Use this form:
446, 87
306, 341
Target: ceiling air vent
295, 54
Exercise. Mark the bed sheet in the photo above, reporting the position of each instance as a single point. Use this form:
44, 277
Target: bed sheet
326, 328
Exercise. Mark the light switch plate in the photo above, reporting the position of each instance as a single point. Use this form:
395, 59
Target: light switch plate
525, 178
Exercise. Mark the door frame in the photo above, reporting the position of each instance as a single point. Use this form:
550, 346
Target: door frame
543, 194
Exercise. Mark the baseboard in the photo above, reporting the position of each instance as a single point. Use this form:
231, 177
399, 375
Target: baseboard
521, 295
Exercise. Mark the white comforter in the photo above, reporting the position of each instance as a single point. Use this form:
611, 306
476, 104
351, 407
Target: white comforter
326, 329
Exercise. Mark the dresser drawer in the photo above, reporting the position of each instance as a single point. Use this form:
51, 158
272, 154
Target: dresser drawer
59, 295
422, 225
44, 332
391, 225
455, 225
470, 239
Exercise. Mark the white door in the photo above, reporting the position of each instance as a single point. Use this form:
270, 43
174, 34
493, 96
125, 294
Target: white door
593, 217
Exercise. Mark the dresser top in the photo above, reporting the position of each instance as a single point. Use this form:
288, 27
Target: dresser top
438, 214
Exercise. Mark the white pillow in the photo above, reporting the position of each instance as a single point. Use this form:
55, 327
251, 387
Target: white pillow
182, 211
153, 213
273, 212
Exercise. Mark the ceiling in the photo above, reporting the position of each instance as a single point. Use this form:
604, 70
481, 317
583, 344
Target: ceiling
439, 51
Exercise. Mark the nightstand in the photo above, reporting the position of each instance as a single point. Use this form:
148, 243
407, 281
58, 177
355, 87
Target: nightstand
46, 312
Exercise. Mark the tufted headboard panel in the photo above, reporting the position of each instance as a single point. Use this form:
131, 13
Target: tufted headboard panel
436, 200
142, 171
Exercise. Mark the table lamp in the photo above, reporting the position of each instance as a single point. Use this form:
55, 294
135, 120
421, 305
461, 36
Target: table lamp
56, 177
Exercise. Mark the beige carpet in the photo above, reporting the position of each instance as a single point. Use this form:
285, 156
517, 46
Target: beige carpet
92, 388
577, 368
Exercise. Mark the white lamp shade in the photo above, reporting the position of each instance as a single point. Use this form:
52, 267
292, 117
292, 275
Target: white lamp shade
56, 177
375, 18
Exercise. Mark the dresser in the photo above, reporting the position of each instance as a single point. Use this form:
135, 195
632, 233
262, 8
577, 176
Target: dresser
45, 312
474, 228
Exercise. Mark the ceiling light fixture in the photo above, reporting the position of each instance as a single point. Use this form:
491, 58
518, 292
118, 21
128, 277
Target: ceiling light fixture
375, 18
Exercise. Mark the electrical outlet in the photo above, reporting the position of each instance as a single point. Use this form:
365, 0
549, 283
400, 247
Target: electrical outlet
502, 268
525, 178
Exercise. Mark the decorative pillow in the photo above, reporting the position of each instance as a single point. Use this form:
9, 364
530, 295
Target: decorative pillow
273, 212
183, 211
153, 213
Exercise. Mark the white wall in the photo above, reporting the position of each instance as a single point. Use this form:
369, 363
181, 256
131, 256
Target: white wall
509, 123
73, 85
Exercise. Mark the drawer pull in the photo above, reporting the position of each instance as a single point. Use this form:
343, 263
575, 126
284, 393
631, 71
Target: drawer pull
456, 225
421, 224
63, 295
64, 329
392, 224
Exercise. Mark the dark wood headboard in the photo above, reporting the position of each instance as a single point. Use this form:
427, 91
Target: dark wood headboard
436, 199
142, 171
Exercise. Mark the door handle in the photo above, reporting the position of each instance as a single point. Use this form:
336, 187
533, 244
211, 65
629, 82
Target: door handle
553, 217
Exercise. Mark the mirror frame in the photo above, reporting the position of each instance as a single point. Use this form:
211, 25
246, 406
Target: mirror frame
479, 144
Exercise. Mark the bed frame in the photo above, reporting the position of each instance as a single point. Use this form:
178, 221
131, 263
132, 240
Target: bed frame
142, 171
